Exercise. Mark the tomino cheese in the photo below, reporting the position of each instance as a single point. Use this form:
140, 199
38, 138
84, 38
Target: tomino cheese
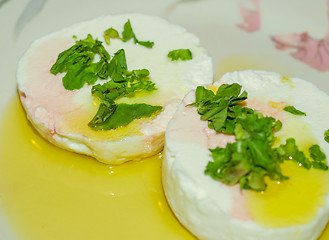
297, 208
62, 116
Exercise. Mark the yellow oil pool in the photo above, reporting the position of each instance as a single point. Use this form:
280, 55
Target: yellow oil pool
290, 202
49, 193
297, 200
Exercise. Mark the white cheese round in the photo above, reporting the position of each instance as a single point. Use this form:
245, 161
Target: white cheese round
212, 210
61, 116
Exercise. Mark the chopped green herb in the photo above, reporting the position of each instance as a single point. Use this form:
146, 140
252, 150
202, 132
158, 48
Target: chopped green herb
124, 83
221, 109
290, 151
118, 66
316, 153
293, 110
182, 54
128, 34
114, 116
79, 64
326, 135
252, 156
318, 158
320, 165
111, 33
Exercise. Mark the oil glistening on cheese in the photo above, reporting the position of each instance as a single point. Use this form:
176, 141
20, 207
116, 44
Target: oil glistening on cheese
297, 200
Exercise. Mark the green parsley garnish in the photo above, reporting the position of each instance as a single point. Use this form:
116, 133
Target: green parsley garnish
78, 62
111, 33
124, 84
250, 158
127, 34
117, 115
253, 155
326, 135
290, 151
318, 157
221, 109
293, 110
180, 54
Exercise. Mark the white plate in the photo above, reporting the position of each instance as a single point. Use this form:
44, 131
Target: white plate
216, 22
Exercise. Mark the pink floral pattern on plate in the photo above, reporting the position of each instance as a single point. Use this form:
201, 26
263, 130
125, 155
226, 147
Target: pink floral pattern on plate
251, 17
310, 51
313, 52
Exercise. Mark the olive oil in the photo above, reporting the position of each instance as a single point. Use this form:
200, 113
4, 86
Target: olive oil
297, 200
50, 193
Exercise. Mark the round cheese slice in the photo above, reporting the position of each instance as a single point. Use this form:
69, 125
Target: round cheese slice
62, 116
294, 209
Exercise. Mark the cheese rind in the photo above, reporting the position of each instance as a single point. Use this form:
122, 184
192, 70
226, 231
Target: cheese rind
61, 116
210, 209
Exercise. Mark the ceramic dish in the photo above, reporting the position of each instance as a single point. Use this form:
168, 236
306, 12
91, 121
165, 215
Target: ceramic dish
48, 193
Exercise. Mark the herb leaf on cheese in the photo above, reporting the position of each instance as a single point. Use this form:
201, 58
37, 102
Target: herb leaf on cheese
128, 34
293, 110
123, 83
110, 33
253, 155
77, 62
319, 158
290, 151
326, 136
180, 54
221, 109
124, 86
118, 66
113, 116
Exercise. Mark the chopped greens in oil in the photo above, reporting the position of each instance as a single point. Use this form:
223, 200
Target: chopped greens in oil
253, 155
